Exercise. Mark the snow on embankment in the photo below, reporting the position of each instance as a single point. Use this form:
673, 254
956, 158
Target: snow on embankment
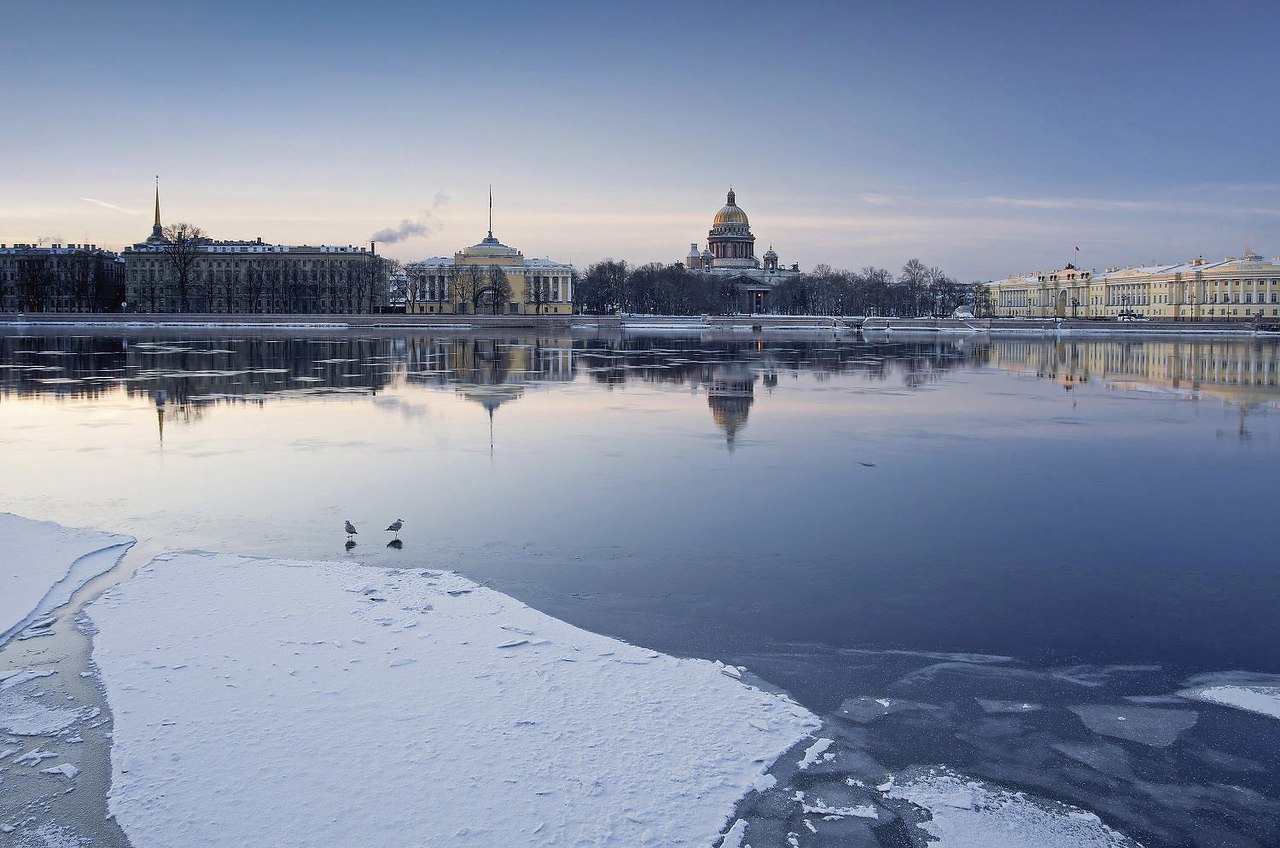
265, 702
43, 564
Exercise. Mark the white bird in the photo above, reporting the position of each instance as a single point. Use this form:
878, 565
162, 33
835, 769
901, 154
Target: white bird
395, 526
351, 529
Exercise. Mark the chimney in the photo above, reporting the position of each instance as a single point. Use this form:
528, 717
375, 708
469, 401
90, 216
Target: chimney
373, 248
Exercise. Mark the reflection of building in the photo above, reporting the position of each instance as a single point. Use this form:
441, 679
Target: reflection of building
490, 278
730, 254
730, 395
60, 278
1241, 288
1231, 371
253, 277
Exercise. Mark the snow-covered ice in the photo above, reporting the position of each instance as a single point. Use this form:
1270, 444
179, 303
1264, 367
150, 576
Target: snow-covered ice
968, 813
1255, 693
262, 702
44, 564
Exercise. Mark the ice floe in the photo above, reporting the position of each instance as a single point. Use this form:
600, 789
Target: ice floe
967, 813
291, 720
44, 564
1146, 725
1255, 693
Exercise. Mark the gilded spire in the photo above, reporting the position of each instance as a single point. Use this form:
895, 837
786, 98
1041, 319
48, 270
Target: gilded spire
157, 232
490, 211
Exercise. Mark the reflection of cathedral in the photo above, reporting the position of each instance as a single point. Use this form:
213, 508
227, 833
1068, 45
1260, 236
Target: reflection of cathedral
730, 395
731, 253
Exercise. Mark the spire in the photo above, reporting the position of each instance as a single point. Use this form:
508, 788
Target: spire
157, 232
490, 210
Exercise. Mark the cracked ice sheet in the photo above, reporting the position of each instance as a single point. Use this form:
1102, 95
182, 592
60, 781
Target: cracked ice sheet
260, 702
44, 564
968, 813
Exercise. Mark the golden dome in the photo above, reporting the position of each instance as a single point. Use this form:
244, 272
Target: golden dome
730, 213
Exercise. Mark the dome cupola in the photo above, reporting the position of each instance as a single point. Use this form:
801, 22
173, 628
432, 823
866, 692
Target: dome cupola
730, 213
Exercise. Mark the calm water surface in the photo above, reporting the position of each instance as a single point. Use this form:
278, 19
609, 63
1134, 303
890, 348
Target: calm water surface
815, 508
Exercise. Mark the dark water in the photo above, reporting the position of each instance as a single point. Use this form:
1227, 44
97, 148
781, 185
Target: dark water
820, 509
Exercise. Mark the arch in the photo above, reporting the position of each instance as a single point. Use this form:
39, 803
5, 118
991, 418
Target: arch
486, 299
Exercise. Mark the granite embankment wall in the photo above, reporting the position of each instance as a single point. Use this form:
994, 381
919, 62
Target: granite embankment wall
540, 323
1063, 327
609, 324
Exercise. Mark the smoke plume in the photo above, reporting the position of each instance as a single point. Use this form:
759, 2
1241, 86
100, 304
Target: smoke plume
426, 224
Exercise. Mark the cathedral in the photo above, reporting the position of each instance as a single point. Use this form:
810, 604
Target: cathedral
731, 253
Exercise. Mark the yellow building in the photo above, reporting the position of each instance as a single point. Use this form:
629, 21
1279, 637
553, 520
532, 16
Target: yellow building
1232, 289
489, 278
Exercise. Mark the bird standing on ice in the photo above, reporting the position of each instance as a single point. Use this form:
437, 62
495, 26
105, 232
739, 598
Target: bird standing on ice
395, 526
351, 529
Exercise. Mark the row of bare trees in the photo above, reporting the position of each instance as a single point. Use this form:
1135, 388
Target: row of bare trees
917, 290
66, 281
614, 286
655, 289
480, 288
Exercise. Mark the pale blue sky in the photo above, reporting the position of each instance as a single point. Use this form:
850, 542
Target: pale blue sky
983, 137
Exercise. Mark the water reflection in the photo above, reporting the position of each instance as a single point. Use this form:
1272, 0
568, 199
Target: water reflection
185, 375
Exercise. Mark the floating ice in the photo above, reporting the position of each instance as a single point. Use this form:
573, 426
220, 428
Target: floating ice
495, 744
1255, 693
1146, 725
967, 813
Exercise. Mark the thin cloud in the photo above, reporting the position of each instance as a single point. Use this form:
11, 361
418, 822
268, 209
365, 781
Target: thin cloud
111, 206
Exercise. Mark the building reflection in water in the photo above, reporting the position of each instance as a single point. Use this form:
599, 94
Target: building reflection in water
184, 375
1238, 372
730, 395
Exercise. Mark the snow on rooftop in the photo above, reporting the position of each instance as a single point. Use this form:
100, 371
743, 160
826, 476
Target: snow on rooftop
44, 564
267, 702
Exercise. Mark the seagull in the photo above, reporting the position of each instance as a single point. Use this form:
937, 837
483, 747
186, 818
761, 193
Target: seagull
395, 526
351, 529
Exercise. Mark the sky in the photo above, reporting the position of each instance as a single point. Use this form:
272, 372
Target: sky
985, 138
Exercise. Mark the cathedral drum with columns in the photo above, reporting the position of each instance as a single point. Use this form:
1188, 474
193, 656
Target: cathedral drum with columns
731, 253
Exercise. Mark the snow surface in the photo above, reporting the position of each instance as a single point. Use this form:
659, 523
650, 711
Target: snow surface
43, 564
967, 813
264, 702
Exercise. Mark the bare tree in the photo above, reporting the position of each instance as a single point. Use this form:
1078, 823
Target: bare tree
539, 291
602, 290
466, 283
497, 287
181, 247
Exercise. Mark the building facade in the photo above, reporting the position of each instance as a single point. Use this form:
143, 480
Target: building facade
730, 255
60, 278
1234, 289
249, 277
489, 278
